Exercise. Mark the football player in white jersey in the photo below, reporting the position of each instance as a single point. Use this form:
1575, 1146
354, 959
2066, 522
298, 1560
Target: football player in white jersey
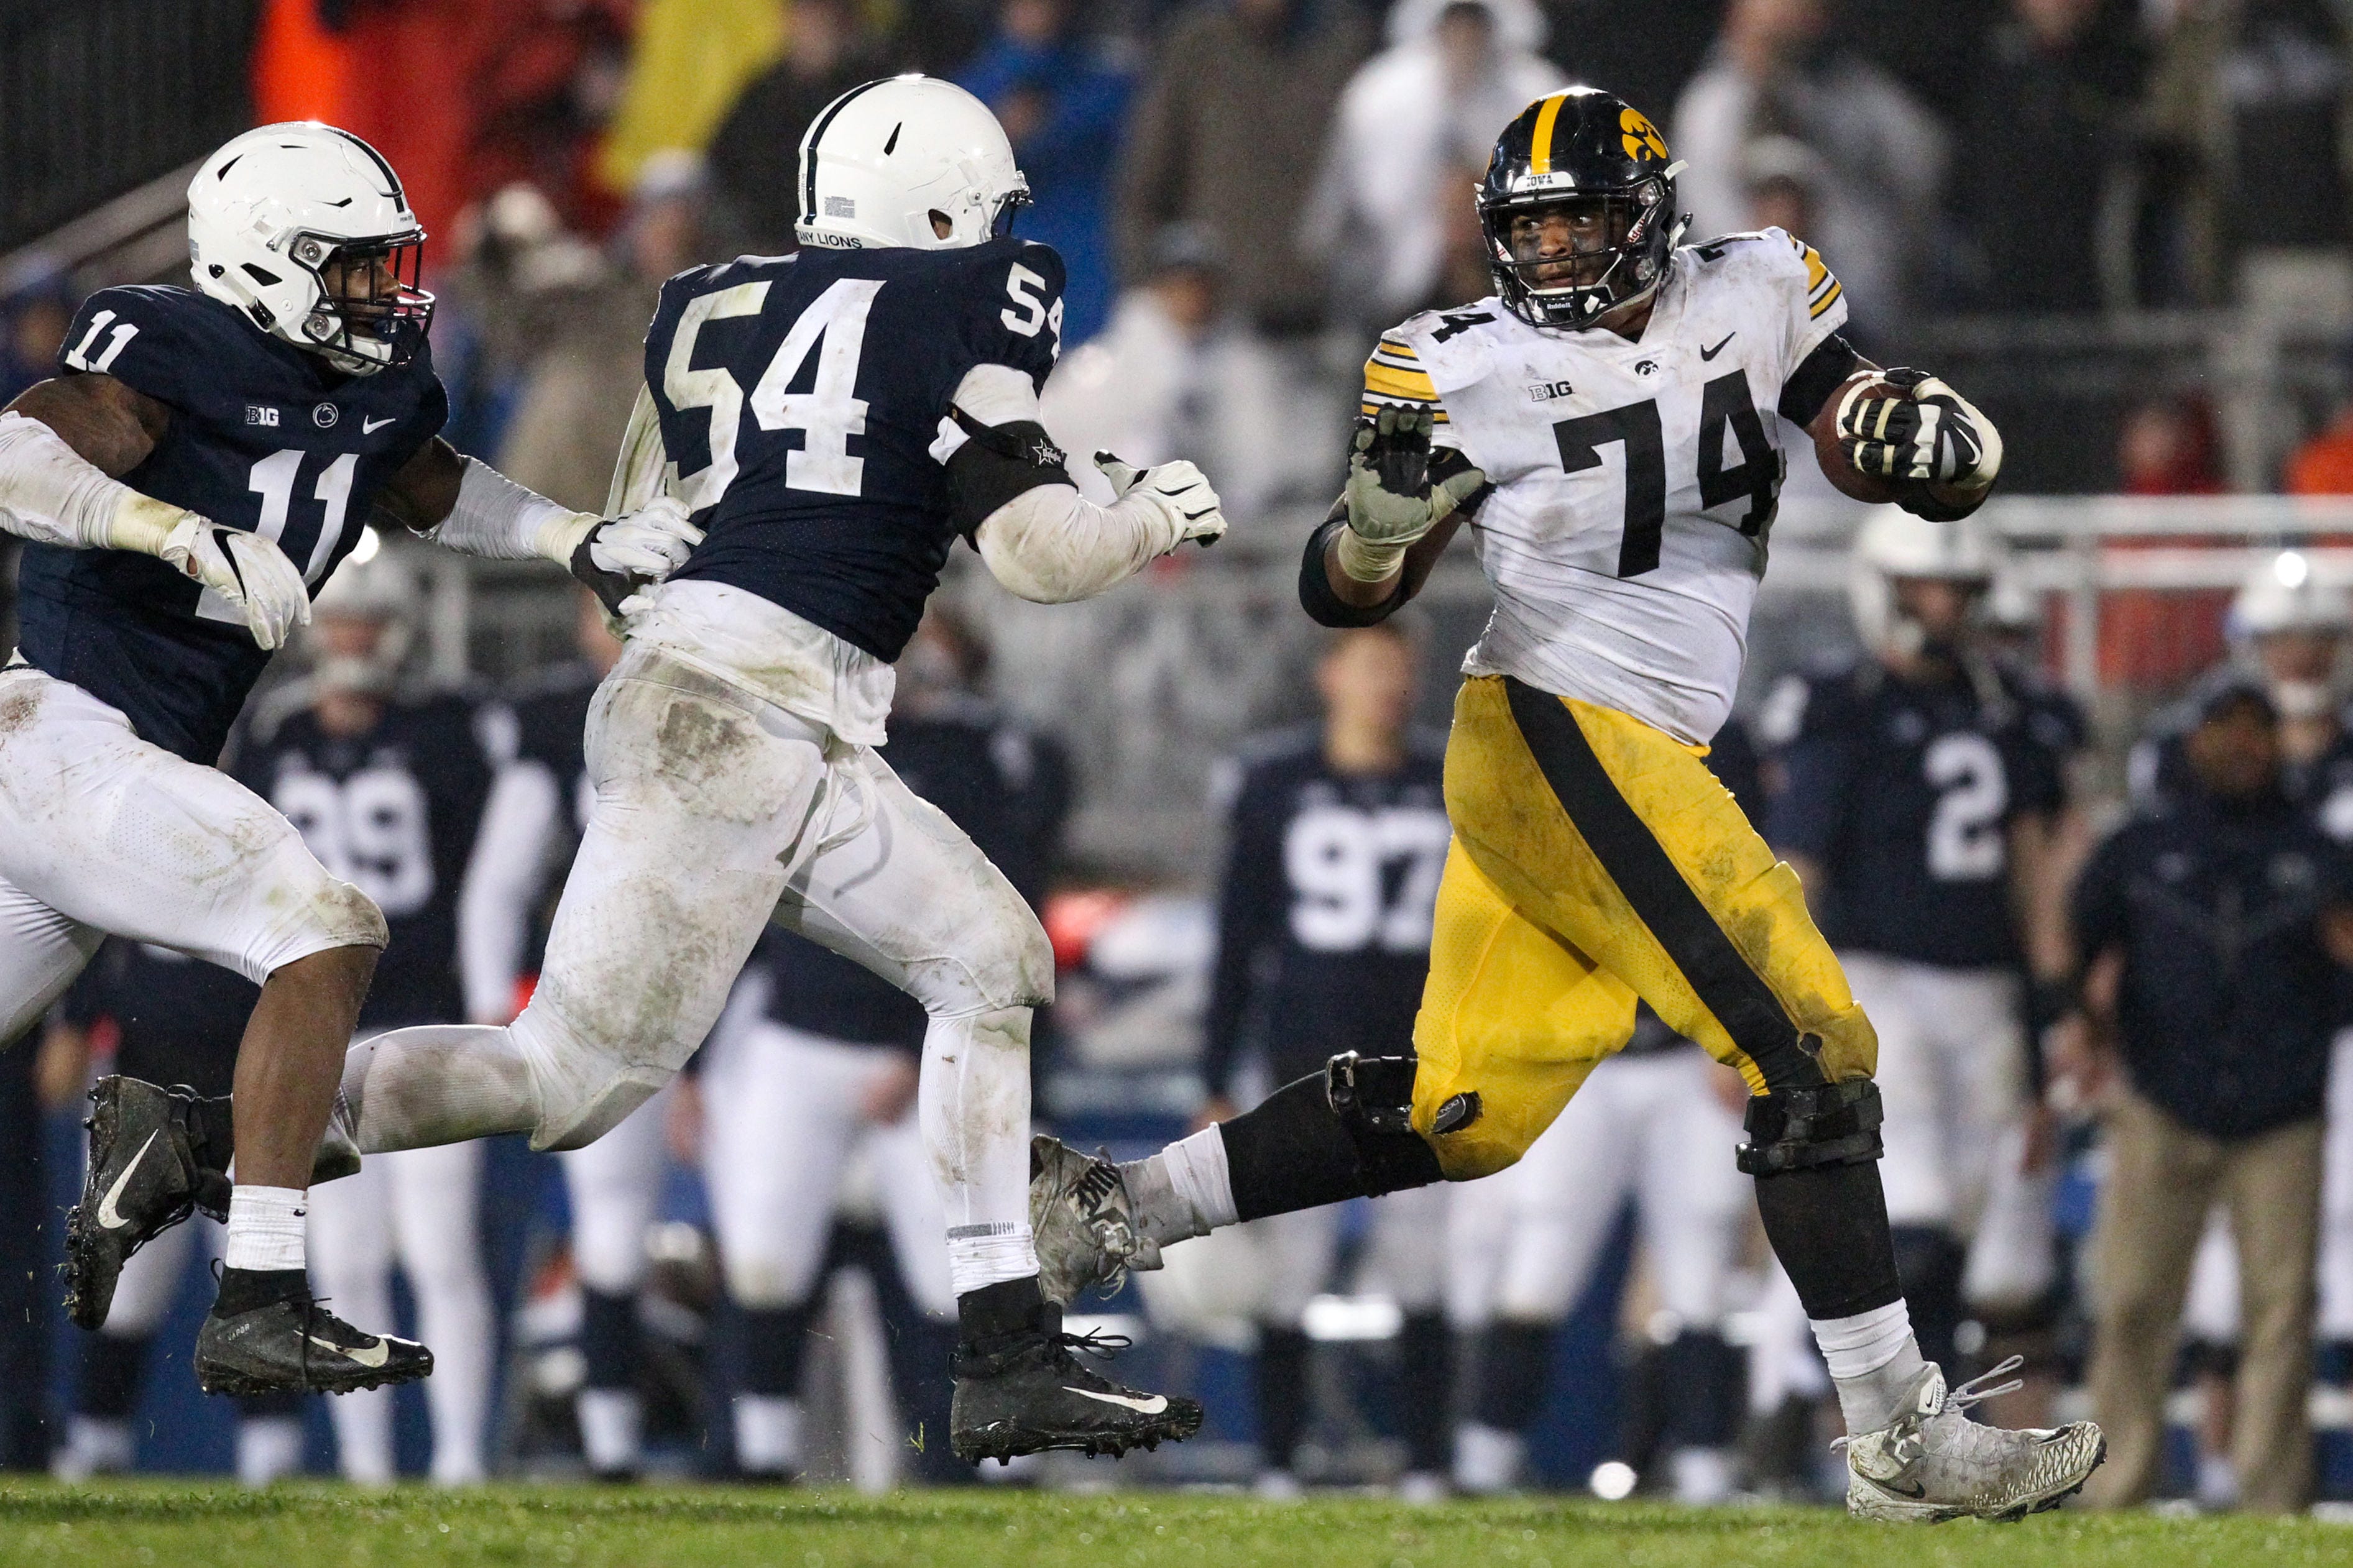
1601, 421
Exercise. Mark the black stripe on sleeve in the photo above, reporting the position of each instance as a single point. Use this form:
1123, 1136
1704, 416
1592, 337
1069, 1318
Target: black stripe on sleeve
1810, 384
1635, 860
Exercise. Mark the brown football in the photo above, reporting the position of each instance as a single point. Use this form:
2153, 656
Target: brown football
1833, 457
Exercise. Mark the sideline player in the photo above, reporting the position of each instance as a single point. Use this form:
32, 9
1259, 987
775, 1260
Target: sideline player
1522, 1243
838, 418
1919, 798
1336, 835
202, 463
1599, 416
387, 790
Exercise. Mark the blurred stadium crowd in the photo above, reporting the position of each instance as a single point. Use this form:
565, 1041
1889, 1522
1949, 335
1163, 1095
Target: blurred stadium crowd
2122, 225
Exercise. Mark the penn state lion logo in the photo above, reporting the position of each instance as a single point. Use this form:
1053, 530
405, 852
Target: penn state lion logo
1644, 144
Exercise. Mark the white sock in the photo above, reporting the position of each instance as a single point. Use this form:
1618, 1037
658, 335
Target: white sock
436, 1083
265, 1228
1701, 1475
268, 1448
609, 1421
1185, 1190
1873, 1361
95, 1446
1487, 1458
767, 1433
974, 1109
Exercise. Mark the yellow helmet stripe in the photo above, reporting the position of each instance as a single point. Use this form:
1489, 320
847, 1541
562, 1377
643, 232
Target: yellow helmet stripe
1540, 138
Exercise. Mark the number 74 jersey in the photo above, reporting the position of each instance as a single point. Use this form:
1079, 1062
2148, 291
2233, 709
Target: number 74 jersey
1635, 482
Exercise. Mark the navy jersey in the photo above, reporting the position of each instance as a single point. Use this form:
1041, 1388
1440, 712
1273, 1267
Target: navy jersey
803, 398
395, 813
1903, 792
176, 1019
263, 438
1324, 916
1007, 787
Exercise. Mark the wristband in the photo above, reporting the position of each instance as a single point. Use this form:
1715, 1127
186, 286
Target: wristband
1365, 562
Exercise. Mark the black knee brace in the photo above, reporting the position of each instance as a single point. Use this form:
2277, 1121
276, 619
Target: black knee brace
1801, 1129
1373, 1098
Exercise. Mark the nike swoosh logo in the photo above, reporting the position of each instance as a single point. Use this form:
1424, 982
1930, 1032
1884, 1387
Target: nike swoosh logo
370, 426
373, 1355
109, 1216
1711, 353
1154, 1405
1197, 516
1915, 1491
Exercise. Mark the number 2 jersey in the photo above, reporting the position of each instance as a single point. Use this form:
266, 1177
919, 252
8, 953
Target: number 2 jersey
263, 437
396, 812
804, 402
1635, 481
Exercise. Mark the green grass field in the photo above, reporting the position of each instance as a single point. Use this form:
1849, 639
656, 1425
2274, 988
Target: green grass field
187, 1525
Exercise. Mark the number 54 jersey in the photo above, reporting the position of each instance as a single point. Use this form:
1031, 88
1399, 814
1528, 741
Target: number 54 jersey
1635, 481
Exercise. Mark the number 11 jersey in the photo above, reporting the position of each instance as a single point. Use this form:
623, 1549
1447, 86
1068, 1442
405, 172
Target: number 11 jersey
805, 401
1635, 481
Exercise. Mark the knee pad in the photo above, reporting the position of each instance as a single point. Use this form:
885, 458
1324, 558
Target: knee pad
1802, 1128
1373, 1098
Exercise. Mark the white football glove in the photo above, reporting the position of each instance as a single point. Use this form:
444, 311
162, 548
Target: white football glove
652, 541
248, 571
1178, 492
1930, 435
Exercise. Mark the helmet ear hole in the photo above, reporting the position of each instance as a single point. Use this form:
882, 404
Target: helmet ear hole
942, 226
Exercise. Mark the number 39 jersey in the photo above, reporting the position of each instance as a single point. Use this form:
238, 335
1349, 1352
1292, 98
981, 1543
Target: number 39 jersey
804, 406
1635, 482
1903, 793
393, 812
1324, 917
262, 437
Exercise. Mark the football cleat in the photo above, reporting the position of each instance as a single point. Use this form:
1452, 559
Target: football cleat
1934, 1463
294, 1345
144, 1178
1083, 1222
1026, 1392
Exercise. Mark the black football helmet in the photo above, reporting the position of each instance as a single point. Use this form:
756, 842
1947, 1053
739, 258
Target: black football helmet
1589, 159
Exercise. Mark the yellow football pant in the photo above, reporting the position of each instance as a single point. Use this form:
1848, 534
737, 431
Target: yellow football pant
1596, 860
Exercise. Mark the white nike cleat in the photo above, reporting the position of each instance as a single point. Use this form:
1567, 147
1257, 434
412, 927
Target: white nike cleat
1934, 1463
1083, 1223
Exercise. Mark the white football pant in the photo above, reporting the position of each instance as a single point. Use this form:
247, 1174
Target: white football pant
417, 1208
102, 833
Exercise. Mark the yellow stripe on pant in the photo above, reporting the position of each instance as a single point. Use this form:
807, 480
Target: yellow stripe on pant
1597, 859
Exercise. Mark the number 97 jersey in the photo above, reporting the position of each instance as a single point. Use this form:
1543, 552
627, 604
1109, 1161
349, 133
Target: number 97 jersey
804, 402
1635, 481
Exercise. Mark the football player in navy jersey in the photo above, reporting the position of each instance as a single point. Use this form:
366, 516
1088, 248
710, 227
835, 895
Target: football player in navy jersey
203, 461
388, 788
1918, 799
835, 419
1335, 838
817, 1057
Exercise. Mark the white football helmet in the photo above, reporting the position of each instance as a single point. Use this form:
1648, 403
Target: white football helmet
1895, 544
882, 158
2281, 597
273, 209
378, 589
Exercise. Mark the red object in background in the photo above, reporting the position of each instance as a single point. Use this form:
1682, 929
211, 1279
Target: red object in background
1073, 920
462, 96
2147, 638
2324, 465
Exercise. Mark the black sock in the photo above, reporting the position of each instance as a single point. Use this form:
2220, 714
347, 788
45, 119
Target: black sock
212, 1133
1703, 1382
1279, 1380
1514, 1370
243, 1289
1426, 1391
1292, 1152
609, 1339
111, 1366
775, 1341
1929, 1262
993, 1314
1828, 1228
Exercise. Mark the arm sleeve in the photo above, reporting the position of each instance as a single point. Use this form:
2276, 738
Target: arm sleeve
502, 877
2098, 909
1248, 894
498, 520
1323, 606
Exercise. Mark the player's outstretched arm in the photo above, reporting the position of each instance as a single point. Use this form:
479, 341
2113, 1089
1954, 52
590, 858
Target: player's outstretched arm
1402, 504
62, 444
1011, 494
464, 503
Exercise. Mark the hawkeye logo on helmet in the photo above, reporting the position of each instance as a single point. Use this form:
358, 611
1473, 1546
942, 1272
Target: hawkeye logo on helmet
1642, 140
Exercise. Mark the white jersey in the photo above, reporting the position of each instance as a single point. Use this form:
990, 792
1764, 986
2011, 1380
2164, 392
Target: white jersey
1635, 482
